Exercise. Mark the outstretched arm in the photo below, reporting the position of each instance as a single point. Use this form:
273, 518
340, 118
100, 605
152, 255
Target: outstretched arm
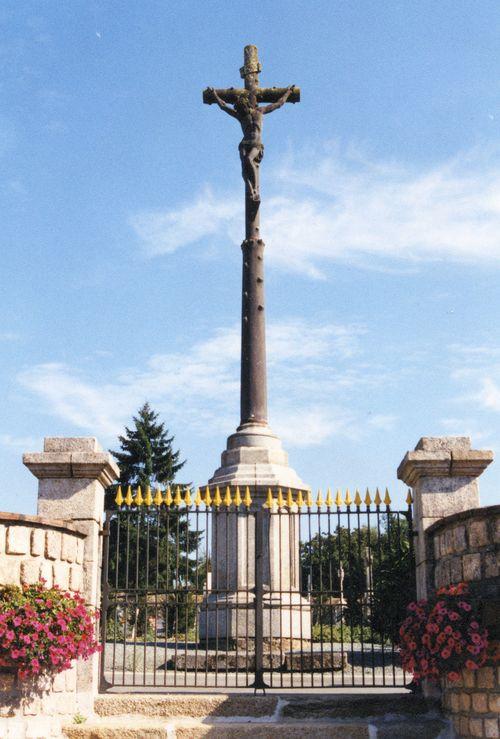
278, 103
223, 105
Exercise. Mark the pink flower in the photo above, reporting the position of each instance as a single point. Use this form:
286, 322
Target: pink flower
474, 625
445, 653
476, 638
464, 606
453, 676
17, 621
9, 635
470, 665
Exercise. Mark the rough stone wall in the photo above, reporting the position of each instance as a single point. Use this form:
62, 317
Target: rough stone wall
466, 548
31, 548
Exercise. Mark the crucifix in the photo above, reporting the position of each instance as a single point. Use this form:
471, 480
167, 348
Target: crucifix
243, 104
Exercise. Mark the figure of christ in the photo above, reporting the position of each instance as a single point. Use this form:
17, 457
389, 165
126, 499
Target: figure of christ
249, 114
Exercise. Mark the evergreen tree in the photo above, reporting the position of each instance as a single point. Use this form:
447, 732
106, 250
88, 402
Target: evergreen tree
146, 456
157, 548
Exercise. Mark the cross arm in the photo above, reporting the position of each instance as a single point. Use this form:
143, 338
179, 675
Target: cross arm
264, 95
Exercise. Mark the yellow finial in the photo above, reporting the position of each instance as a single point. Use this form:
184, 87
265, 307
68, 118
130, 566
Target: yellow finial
187, 497
357, 498
409, 497
309, 500
378, 499
217, 497
329, 499
139, 500
158, 499
368, 498
300, 499
247, 500
148, 498
128, 498
269, 500
280, 500
197, 498
177, 496
348, 499
319, 499
387, 497
227, 497
168, 496
208, 497
289, 499
338, 499
237, 497
119, 496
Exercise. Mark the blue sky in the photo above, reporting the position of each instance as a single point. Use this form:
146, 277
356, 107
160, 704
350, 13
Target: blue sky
122, 214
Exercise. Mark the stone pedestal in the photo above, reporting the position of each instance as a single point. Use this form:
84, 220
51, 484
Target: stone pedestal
72, 474
443, 472
255, 458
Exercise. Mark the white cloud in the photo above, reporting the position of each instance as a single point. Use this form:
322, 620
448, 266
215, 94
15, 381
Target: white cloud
199, 388
477, 371
340, 206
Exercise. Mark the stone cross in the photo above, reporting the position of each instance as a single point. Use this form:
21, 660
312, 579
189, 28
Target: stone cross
243, 104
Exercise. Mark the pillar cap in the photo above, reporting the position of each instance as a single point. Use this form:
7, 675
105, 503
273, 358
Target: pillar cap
72, 457
443, 456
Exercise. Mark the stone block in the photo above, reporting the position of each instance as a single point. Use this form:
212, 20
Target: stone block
10, 571
46, 573
7, 681
70, 676
476, 727
494, 702
70, 498
469, 678
69, 546
16, 728
79, 550
454, 702
18, 540
61, 574
456, 569
496, 531
478, 534
459, 540
485, 677
465, 701
472, 567
491, 728
71, 444
464, 726
491, 564
53, 544
480, 702
39, 727
75, 577
59, 682
30, 571
444, 443
37, 542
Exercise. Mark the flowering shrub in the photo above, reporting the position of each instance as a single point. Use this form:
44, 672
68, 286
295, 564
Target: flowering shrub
442, 635
43, 629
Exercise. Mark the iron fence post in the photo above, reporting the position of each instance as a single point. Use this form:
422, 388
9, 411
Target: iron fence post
259, 683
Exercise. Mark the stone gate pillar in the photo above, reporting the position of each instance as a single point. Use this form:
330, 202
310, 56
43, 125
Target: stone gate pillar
442, 472
72, 475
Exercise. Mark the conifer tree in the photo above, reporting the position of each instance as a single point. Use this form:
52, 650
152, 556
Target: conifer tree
146, 456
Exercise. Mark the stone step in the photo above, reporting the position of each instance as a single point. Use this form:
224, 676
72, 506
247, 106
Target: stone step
191, 705
294, 706
132, 727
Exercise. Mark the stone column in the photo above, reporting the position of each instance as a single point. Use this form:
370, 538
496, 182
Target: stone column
72, 474
442, 472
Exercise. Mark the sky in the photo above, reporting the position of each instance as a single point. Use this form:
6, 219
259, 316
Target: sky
121, 205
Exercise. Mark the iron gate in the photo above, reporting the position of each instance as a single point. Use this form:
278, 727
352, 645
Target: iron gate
241, 589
